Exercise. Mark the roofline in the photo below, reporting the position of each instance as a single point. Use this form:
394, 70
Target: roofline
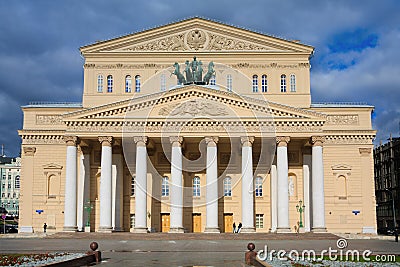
341, 105
53, 105
191, 18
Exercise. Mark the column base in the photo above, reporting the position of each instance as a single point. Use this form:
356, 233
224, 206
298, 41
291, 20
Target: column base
70, 229
319, 230
283, 230
140, 230
247, 230
25, 229
176, 230
212, 230
105, 229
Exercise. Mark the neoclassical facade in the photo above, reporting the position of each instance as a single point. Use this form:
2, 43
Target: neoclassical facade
228, 134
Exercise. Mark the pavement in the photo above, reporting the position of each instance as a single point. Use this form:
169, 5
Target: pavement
189, 249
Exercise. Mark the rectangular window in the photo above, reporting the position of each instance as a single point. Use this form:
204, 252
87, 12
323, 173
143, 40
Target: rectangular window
132, 220
133, 186
259, 221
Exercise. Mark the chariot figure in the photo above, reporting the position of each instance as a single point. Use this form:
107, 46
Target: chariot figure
178, 74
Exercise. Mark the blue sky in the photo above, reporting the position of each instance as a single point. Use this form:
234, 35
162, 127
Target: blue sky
356, 47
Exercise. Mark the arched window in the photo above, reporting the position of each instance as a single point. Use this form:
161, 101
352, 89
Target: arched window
212, 80
341, 189
137, 83
163, 83
196, 186
54, 186
283, 83
100, 83
229, 82
17, 182
264, 83
228, 187
133, 186
165, 187
128, 84
255, 83
258, 186
292, 83
109, 83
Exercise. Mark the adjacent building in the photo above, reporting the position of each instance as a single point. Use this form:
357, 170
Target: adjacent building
10, 184
387, 183
194, 126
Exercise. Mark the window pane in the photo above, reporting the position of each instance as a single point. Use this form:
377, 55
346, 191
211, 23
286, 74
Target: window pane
229, 82
255, 83
264, 84
128, 84
196, 186
283, 83
133, 186
109, 83
293, 83
100, 83
137, 83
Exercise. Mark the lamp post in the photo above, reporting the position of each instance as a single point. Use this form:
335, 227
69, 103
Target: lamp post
394, 211
88, 207
300, 209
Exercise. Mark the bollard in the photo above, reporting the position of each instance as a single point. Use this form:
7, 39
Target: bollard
250, 256
396, 236
97, 254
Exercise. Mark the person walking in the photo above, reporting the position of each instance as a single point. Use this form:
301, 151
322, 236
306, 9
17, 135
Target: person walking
44, 227
234, 227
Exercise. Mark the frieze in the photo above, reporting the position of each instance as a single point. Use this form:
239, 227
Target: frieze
48, 119
197, 40
245, 65
42, 139
342, 120
349, 139
194, 108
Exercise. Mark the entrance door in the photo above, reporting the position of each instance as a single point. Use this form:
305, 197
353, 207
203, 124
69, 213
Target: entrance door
165, 222
196, 223
228, 222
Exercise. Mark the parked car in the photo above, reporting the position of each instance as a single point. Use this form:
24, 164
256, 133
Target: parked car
388, 230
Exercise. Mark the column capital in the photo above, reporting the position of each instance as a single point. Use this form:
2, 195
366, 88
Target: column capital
211, 140
247, 140
106, 140
140, 140
29, 151
317, 140
70, 140
282, 140
176, 141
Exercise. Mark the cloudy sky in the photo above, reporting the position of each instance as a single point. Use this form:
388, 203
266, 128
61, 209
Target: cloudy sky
356, 44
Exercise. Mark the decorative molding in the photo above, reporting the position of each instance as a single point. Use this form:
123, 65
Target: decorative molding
342, 120
317, 140
365, 150
194, 108
42, 139
29, 151
106, 140
70, 140
140, 140
48, 119
282, 140
364, 139
341, 167
247, 141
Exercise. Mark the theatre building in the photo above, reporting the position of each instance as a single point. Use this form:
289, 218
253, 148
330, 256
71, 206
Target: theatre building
192, 127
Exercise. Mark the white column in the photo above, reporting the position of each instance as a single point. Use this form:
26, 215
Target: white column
83, 187
212, 186
318, 196
283, 186
247, 185
274, 199
306, 190
106, 185
70, 185
176, 186
117, 187
141, 185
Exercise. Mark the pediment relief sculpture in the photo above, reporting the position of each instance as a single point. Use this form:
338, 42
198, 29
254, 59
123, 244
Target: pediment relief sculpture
197, 40
193, 108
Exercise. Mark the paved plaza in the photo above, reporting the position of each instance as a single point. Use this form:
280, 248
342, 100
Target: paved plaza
126, 249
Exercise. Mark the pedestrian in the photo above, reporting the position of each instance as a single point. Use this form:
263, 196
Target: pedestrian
234, 227
44, 227
239, 227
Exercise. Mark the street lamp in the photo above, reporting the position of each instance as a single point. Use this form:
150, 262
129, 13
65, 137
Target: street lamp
394, 211
300, 209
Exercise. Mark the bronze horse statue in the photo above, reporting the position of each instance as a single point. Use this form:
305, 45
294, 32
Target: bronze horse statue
210, 73
178, 74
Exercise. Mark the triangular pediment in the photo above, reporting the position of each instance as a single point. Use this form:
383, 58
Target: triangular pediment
193, 102
196, 35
